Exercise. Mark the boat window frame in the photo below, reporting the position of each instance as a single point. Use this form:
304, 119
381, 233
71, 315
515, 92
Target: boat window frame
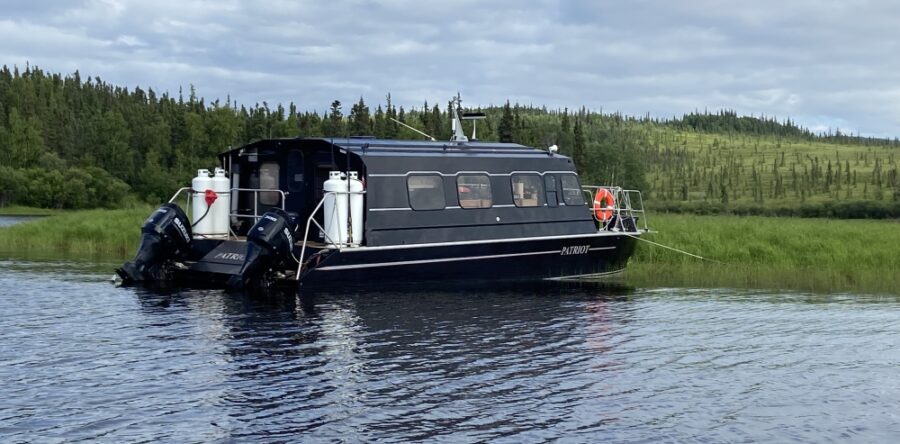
439, 192
539, 193
490, 191
562, 189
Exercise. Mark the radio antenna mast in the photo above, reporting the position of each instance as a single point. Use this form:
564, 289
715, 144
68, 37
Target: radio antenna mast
459, 136
420, 132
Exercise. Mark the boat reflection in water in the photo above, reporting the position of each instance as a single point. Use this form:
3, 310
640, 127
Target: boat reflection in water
408, 364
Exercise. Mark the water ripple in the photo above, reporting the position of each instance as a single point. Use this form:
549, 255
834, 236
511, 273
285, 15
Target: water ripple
83, 360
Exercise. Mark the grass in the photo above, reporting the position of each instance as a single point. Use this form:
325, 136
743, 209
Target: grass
771, 252
751, 252
18, 210
89, 233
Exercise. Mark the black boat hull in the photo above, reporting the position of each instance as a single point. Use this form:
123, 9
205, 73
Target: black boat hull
455, 263
553, 258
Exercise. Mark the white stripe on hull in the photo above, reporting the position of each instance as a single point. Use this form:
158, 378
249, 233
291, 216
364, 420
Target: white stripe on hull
492, 241
448, 259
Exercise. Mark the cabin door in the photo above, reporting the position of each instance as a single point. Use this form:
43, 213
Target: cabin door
295, 184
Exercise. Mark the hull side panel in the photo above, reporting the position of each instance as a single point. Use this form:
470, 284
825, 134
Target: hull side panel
511, 261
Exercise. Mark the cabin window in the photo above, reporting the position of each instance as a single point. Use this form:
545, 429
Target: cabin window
550, 185
268, 180
528, 190
474, 191
571, 191
426, 192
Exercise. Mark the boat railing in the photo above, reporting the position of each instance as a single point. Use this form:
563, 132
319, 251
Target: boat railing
628, 209
189, 200
311, 220
256, 191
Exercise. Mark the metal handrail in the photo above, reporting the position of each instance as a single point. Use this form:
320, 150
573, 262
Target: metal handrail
624, 207
175, 196
256, 216
311, 220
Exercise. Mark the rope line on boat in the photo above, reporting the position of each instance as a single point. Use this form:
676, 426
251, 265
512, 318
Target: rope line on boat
675, 249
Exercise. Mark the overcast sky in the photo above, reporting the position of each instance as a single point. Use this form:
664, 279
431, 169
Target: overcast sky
824, 63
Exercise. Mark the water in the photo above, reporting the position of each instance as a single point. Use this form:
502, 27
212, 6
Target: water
6, 221
83, 360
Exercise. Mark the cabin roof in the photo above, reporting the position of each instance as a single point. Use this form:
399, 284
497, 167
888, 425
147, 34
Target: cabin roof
371, 145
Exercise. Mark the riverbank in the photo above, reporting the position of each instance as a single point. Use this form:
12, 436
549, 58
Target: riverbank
764, 252
18, 210
770, 252
89, 233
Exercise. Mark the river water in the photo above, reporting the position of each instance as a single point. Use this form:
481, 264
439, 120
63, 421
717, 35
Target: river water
6, 221
81, 359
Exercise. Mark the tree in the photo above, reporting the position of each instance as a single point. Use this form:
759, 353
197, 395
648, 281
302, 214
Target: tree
578, 147
335, 127
505, 128
360, 122
391, 127
24, 145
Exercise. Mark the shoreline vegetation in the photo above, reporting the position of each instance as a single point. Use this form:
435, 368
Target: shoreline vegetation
82, 233
770, 252
18, 210
69, 141
749, 252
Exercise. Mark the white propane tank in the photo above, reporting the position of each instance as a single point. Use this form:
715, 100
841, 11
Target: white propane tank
356, 209
336, 210
200, 225
221, 209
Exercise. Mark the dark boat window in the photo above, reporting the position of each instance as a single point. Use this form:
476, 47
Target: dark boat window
268, 180
528, 190
474, 191
426, 192
550, 184
295, 170
571, 191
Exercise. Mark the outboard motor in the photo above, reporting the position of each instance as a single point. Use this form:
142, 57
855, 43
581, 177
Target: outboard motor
166, 235
269, 243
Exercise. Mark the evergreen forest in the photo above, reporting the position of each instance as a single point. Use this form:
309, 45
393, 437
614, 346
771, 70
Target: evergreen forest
71, 142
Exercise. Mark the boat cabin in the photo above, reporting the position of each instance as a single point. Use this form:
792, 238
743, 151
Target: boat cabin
416, 192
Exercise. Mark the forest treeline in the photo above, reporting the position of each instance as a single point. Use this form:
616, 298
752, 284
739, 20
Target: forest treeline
73, 142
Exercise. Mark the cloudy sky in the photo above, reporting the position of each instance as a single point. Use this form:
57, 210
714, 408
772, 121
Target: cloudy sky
824, 63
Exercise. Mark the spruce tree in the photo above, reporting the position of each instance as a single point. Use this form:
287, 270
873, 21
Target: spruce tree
505, 128
335, 120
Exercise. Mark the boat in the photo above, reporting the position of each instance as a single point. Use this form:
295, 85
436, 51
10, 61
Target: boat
333, 212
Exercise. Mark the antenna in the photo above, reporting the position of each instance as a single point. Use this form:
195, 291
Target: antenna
458, 135
420, 132
474, 117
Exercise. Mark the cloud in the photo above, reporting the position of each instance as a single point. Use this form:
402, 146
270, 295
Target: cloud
823, 63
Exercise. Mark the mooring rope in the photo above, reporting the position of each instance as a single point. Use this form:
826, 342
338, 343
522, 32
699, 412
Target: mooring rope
675, 249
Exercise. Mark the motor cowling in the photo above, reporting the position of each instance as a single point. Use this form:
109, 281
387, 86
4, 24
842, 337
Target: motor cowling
270, 243
165, 235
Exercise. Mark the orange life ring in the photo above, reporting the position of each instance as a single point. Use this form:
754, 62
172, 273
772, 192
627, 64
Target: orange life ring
604, 213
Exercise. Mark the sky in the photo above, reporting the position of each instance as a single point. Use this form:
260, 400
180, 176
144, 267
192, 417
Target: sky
825, 64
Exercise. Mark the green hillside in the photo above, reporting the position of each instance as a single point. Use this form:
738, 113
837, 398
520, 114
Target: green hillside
772, 174
73, 142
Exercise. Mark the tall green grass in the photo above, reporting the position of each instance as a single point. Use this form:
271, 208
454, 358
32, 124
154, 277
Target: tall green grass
110, 233
814, 254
